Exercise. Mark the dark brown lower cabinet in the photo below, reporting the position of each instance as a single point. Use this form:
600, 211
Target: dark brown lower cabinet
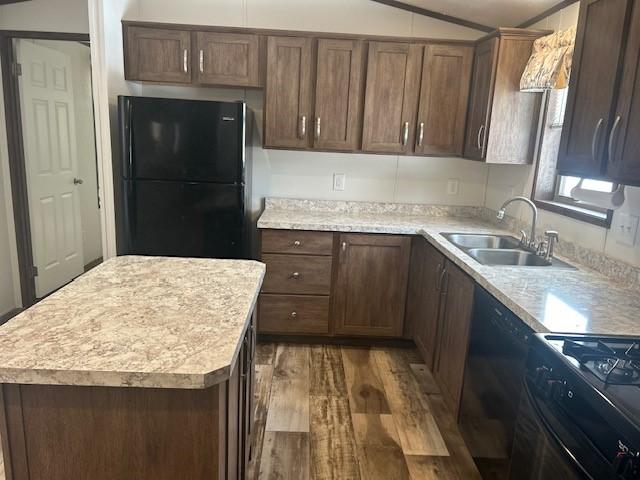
439, 308
371, 287
62, 432
423, 297
456, 305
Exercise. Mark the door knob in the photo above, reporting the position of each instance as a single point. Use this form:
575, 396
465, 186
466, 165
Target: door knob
78, 181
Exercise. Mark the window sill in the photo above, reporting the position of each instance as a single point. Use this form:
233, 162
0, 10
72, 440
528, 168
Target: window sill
577, 213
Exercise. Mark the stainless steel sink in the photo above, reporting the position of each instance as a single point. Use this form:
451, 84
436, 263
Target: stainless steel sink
472, 240
501, 250
496, 256
514, 257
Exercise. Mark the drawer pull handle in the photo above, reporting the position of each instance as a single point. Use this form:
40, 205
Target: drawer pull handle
294, 314
297, 243
295, 275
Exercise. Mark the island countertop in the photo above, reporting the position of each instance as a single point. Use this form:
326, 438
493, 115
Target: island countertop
136, 322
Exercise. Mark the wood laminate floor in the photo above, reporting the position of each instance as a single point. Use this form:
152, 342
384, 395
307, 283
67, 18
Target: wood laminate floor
351, 413
332, 412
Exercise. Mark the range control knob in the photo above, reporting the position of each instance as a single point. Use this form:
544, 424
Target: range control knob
541, 376
627, 463
557, 389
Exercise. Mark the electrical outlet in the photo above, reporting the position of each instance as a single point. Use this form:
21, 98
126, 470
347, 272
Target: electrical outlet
625, 228
453, 186
339, 180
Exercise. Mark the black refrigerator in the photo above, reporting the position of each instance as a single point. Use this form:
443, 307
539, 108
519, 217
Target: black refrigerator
183, 176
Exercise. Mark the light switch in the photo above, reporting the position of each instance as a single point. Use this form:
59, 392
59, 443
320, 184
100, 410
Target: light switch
339, 180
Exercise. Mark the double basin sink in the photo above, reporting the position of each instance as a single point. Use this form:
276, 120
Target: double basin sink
500, 250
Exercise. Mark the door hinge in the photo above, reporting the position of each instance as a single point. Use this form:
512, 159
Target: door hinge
17, 69
34, 271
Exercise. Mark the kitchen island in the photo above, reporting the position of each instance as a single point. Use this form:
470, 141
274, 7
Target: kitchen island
140, 368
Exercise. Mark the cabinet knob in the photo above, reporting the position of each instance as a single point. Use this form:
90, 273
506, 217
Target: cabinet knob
294, 314
297, 243
295, 275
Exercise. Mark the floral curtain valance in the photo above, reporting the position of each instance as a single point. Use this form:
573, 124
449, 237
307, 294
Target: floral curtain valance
550, 64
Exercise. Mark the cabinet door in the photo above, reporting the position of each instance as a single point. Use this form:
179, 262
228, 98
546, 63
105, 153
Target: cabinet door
444, 95
423, 302
391, 97
157, 55
228, 59
371, 288
455, 321
338, 94
482, 83
288, 92
623, 163
594, 78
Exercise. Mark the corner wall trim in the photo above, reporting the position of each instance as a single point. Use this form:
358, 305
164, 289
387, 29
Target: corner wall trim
437, 15
550, 11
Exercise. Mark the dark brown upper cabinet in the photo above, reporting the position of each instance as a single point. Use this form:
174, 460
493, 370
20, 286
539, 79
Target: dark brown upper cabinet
391, 97
486, 57
338, 94
624, 155
444, 95
157, 55
502, 121
371, 287
288, 115
598, 136
228, 59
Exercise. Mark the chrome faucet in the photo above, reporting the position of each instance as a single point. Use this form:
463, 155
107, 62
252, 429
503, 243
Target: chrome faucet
530, 242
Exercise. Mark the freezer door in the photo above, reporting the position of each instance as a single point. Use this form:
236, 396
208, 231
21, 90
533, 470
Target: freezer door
182, 140
185, 219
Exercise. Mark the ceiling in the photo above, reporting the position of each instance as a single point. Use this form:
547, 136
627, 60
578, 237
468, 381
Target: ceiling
493, 13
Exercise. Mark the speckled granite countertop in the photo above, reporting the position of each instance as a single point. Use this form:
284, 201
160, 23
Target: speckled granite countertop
547, 299
136, 322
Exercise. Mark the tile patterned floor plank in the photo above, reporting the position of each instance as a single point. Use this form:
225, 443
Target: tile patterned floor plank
262, 394
417, 429
265, 353
327, 372
333, 446
380, 453
289, 402
285, 456
366, 394
447, 424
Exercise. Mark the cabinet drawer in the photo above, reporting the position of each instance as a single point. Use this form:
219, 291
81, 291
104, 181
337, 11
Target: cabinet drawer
297, 242
304, 274
293, 314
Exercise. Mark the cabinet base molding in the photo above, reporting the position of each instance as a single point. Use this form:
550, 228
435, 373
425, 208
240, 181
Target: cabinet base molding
333, 340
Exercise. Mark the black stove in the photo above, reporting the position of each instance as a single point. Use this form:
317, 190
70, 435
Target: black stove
583, 396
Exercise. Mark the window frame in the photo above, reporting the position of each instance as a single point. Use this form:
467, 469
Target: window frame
559, 204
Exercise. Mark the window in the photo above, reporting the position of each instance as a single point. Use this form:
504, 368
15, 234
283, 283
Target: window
552, 191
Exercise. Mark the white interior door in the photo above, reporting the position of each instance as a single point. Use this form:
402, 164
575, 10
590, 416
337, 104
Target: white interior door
49, 135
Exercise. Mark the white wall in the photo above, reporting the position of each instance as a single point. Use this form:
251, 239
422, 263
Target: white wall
46, 16
506, 181
42, 15
310, 174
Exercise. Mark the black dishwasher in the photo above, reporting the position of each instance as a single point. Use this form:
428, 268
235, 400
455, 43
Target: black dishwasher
494, 372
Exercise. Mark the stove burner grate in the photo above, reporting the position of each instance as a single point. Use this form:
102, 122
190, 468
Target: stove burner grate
611, 365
